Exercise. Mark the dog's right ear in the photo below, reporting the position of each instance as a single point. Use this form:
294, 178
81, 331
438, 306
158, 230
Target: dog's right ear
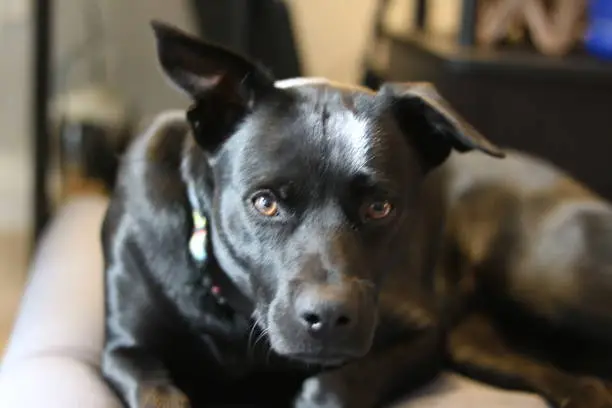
199, 68
223, 84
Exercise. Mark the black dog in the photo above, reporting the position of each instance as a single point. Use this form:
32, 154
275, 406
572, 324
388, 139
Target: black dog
274, 245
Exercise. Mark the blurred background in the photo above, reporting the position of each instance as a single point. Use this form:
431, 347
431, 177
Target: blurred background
79, 77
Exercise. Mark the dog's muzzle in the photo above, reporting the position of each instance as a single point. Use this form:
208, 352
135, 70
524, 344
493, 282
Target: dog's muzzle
324, 323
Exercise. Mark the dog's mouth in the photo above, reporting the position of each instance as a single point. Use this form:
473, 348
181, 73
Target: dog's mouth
322, 359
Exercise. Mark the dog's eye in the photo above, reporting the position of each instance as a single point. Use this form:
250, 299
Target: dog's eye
377, 210
266, 204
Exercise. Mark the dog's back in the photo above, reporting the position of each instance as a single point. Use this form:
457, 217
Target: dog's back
530, 235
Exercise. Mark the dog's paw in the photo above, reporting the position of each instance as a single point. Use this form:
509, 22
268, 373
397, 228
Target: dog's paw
588, 394
321, 392
328, 391
163, 396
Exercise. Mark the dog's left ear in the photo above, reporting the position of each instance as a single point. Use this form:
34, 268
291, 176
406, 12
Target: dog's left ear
224, 85
430, 124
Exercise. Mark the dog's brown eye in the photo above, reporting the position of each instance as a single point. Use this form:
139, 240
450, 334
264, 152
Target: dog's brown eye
266, 204
378, 210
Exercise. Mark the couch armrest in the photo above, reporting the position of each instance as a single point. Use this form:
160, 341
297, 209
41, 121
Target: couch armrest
52, 358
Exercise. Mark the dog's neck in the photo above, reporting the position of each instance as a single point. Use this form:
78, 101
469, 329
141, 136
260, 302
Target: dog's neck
214, 280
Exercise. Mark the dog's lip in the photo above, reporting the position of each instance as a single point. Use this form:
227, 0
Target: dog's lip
326, 359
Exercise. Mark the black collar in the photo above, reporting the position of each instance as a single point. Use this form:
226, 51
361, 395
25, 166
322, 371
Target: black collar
218, 285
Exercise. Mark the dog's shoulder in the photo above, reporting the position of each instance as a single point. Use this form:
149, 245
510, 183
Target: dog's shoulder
160, 145
150, 185
151, 167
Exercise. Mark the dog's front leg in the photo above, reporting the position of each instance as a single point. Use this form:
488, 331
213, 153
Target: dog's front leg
140, 379
131, 361
378, 378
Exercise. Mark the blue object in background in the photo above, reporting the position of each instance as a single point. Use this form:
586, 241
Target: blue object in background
598, 40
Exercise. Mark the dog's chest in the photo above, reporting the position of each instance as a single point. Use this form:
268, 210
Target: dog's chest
231, 359
236, 371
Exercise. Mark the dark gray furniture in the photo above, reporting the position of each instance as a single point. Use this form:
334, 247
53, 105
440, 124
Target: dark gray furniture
558, 108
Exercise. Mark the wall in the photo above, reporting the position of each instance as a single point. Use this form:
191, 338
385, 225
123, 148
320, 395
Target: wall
133, 73
15, 168
333, 35
130, 47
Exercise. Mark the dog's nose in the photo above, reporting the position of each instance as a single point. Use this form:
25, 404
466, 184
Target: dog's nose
326, 310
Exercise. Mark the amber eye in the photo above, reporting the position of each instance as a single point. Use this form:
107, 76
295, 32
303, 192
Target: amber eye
266, 204
378, 210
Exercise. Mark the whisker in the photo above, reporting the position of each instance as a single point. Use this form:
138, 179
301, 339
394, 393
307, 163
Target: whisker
261, 336
251, 349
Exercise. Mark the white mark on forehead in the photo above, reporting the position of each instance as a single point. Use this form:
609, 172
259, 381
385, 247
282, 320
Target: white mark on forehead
300, 81
351, 132
353, 136
306, 81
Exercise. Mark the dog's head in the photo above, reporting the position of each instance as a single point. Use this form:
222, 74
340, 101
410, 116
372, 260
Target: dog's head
311, 184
